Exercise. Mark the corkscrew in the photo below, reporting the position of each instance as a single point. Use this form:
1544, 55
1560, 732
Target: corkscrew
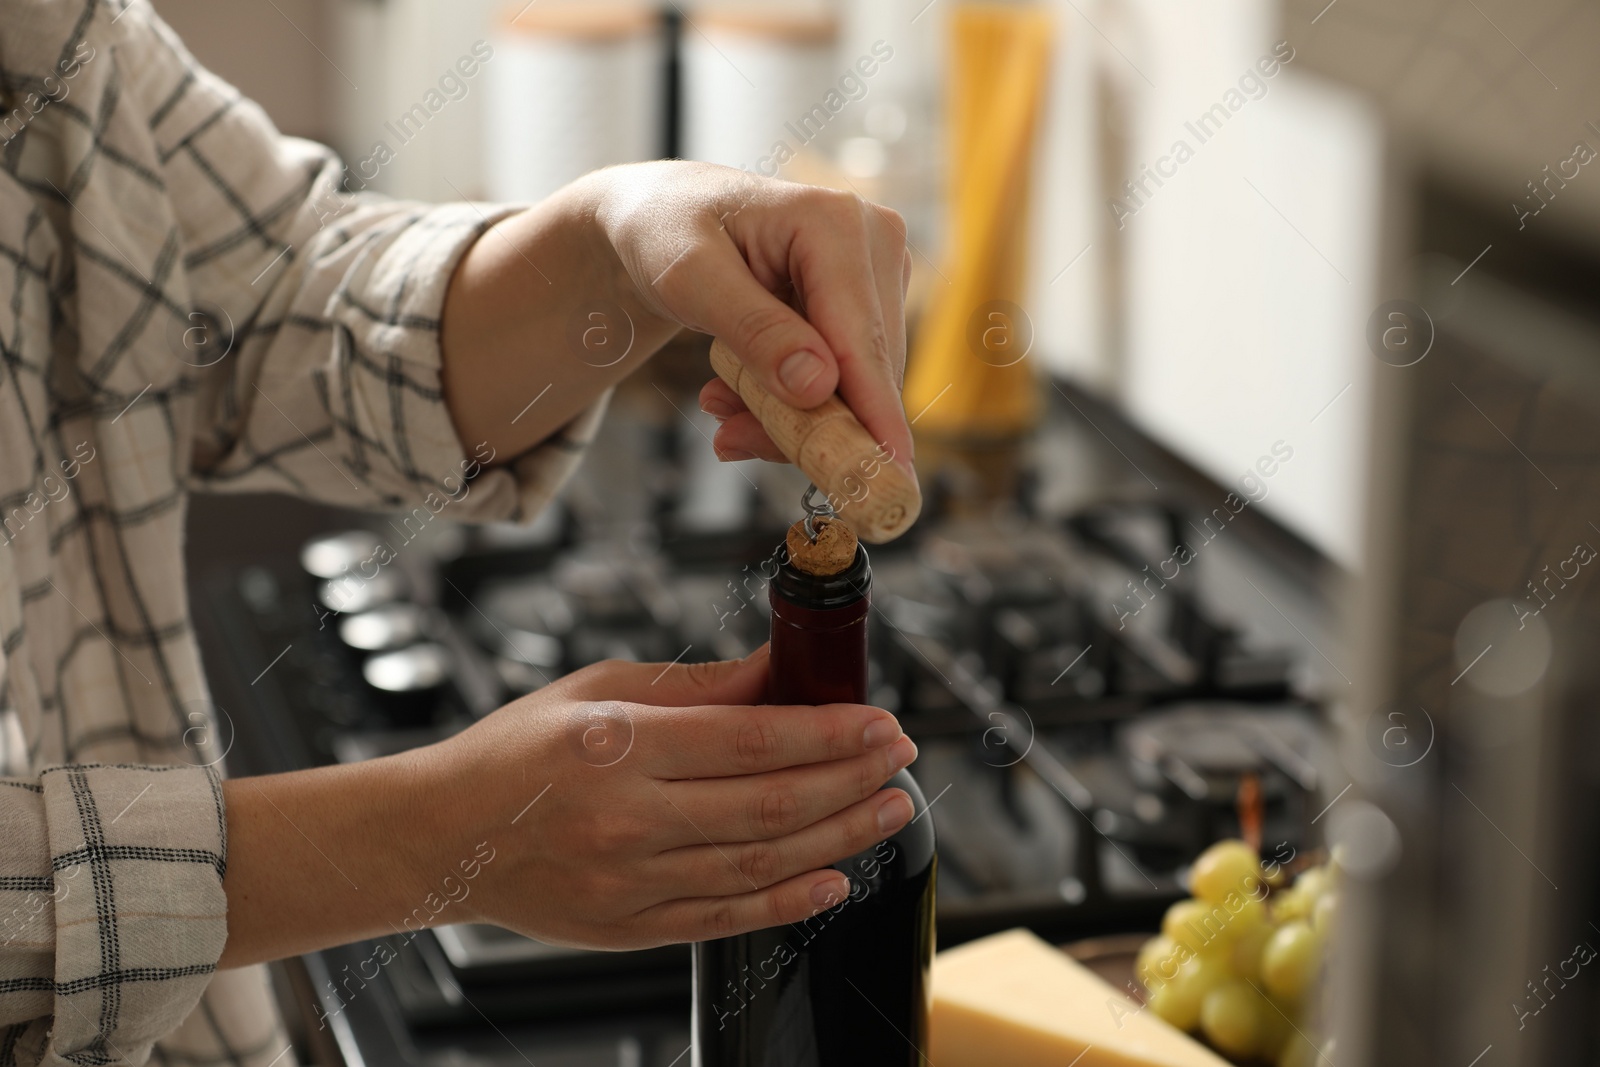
863, 482
815, 510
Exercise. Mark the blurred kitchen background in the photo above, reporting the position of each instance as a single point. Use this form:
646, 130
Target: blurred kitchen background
1309, 288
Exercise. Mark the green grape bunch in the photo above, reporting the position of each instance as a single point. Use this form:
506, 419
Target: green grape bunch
1240, 963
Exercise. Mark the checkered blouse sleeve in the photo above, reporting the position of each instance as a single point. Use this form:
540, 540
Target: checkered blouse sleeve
113, 912
315, 314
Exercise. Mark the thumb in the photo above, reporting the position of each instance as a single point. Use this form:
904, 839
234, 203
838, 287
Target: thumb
683, 685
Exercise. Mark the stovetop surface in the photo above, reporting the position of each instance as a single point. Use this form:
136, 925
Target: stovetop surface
1088, 721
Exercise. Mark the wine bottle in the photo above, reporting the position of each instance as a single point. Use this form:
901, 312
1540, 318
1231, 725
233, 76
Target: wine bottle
849, 985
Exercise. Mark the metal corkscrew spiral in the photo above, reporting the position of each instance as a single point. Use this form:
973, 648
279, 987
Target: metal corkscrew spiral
814, 510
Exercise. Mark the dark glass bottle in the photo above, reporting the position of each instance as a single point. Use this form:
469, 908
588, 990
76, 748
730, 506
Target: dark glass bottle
848, 986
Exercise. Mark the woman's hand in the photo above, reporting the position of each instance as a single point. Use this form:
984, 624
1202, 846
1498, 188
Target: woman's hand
559, 302
730, 254
669, 810
623, 806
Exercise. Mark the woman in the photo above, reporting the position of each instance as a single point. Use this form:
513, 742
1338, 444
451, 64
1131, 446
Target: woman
190, 303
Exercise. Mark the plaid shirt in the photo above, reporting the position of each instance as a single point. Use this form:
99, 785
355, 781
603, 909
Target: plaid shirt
188, 302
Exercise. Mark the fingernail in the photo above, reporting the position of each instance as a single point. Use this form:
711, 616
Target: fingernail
894, 813
830, 891
800, 370
720, 409
880, 732
903, 752
734, 455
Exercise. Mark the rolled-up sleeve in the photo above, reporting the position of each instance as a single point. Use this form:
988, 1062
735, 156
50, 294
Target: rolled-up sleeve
111, 906
315, 333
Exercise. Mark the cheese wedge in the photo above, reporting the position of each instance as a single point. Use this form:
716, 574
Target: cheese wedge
1011, 1000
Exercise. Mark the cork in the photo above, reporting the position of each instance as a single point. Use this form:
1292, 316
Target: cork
831, 553
873, 493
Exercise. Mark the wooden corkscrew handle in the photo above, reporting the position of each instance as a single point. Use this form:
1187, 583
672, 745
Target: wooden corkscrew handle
867, 488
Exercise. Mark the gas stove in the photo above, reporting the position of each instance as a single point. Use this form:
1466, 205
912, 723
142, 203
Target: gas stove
1076, 754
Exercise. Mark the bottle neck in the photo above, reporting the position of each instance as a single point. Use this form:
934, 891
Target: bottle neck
819, 635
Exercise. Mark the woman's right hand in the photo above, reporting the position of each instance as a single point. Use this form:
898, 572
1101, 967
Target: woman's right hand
631, 805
